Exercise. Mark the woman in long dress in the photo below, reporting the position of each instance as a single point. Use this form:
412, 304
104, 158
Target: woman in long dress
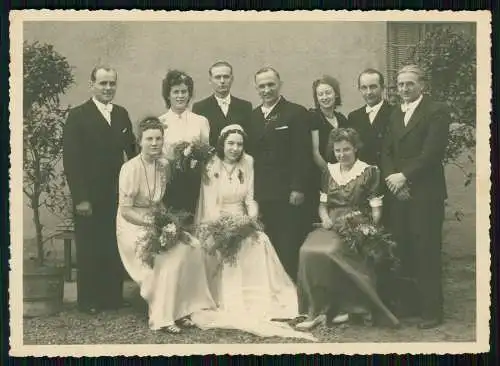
182, 125
256, 290
176, 286
331, 283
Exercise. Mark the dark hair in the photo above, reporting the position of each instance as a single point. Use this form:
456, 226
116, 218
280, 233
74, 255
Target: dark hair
266, 69
101, 67
328, 80
220, 63
219, 148
149, 123
342, 134
372, 71
174, 78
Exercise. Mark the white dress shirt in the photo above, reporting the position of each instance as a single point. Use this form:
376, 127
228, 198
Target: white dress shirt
223, 103
266, 110
105, 109
409, 108
372, 111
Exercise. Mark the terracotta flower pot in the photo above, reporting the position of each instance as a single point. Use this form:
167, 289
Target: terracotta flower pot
43, 290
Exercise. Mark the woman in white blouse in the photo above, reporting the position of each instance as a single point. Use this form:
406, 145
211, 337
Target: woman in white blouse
182, 125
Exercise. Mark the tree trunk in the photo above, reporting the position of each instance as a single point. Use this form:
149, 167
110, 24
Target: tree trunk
38, 229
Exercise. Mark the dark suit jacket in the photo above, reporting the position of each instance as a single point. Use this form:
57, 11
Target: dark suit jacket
93, 152
418, 149
281, 147
239, 112
372, 135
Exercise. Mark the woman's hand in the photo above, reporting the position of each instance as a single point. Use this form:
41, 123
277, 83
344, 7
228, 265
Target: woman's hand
327, 223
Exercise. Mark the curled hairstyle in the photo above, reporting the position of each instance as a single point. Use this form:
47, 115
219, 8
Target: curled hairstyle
149, 123
219, 148
331, 81
174, 78
342, 134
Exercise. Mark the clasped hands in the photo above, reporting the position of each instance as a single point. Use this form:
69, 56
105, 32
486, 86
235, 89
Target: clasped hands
397, 184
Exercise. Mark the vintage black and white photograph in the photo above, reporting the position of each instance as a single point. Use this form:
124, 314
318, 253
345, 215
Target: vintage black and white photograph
249, 182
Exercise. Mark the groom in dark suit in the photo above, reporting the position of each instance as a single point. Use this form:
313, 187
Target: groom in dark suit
371, 120
412, 165
97, 135
280, 142
221, 108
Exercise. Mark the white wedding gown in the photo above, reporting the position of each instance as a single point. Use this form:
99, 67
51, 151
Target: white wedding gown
256, 289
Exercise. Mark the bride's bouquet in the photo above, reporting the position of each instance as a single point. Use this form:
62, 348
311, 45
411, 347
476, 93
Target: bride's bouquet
362, 237
166, 229
225, 235
191, 155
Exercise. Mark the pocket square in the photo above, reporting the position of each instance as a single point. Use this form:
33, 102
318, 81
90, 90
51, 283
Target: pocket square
281, 128
124, 130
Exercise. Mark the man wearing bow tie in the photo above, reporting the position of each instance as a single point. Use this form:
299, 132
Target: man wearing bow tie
412, 165
221, 108
97, 136
371, 119
280, 142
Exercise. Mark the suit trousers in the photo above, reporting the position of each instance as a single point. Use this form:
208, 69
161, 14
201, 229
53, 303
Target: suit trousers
286, 226
417, 227
100, 270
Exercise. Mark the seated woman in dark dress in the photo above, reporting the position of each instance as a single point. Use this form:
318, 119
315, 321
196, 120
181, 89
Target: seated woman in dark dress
331, 283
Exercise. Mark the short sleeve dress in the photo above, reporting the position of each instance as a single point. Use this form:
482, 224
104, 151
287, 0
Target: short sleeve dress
176, 286
329, 282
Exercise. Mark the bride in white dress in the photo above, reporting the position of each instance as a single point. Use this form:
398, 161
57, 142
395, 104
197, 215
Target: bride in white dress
256, 290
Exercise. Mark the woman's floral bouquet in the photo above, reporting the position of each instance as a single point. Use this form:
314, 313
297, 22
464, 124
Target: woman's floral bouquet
191, 155
166, 229
362, 237
225, 235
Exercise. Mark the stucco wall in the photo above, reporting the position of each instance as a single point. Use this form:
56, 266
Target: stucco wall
142, 52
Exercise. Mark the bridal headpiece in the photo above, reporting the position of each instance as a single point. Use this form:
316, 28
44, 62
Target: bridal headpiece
231, 127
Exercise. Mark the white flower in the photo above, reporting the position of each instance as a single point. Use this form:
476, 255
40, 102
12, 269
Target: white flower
365, 229
194, 163
188, 150
170, 229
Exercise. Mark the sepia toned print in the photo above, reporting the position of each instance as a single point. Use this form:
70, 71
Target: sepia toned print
333, 166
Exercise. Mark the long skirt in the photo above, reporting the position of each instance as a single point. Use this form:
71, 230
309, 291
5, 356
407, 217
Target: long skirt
332, 281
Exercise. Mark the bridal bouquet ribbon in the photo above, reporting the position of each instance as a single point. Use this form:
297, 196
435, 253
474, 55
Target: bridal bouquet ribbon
224, 236
166, 229
362, 237
191, 155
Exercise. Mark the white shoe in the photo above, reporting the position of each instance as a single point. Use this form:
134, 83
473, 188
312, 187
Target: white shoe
341, 318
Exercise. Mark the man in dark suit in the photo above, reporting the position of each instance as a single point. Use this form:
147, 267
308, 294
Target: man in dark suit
412, 165
280, 142
221, 108
97, 135
371, 119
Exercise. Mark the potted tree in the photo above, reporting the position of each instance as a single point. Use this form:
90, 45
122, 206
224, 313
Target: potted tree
46, 76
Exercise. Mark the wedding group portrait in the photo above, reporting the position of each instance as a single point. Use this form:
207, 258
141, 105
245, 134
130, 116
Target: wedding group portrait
250, 182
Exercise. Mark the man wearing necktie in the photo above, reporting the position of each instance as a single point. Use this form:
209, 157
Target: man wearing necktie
280, 143
97, 135
221, 108
371, 120
412, 165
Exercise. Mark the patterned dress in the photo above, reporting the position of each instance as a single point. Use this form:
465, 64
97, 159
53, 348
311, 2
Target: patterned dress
329, 281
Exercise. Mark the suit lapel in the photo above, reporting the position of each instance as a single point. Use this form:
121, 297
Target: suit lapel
97, 116
221, 119
415, 117
381, 115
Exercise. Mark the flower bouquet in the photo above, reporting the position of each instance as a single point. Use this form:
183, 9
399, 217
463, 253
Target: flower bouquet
166, 229
225, 235
362, 237
191, 155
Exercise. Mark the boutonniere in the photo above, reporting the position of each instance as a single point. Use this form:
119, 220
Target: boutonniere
240, 176
272, 118
124, 130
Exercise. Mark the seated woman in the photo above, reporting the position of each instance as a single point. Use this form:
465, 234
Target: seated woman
256, 289
176, 286
331, 283
182, 125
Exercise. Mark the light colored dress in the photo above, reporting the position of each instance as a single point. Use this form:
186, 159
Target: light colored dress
176, 286
255, 290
